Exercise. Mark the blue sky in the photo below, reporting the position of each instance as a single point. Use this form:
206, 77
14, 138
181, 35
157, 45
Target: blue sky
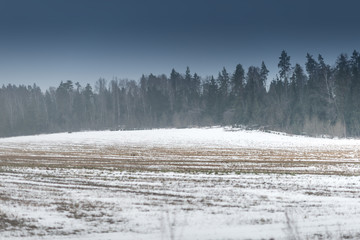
48, 41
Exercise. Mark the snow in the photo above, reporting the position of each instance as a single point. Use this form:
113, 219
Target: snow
179, 184
212, 137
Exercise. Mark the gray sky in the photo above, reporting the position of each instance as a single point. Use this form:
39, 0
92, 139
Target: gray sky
48, 41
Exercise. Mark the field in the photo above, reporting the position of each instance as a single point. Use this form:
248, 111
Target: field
214, 183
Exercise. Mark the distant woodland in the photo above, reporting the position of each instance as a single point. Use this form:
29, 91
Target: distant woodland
321, 99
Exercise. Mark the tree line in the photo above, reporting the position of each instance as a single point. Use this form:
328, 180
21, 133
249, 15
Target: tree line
320, 100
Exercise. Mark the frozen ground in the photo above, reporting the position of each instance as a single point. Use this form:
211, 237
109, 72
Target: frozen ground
179, 184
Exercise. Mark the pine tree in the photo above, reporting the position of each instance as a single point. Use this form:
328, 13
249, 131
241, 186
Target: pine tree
238, 82
284, 68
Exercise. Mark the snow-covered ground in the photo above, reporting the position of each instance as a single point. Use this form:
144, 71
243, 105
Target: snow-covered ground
193, 137
179, 184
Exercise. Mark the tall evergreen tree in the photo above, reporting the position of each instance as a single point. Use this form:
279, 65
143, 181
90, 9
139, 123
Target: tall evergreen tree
284, 68
238, 82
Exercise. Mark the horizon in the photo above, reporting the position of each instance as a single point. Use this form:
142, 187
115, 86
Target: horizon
271, 76
49, 42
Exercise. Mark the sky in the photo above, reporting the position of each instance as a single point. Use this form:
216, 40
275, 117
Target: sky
49, 41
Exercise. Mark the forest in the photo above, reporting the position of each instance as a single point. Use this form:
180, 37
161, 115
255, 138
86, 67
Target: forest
320, 100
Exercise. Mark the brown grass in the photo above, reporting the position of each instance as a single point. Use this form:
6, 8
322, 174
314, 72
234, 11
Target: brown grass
241, 160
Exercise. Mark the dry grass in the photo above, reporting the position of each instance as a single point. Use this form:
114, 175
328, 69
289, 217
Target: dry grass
241, 160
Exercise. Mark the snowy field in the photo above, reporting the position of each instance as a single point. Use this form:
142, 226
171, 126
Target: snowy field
179, 184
